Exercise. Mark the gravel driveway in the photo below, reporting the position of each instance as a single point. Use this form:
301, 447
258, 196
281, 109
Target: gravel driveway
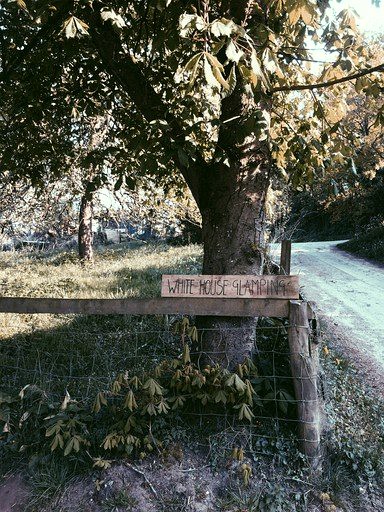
349, 294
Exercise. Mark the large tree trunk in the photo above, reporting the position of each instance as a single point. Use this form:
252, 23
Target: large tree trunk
85, 236
233, 229
232, 204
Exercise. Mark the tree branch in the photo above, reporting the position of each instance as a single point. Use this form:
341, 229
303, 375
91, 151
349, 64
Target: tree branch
322, 85
128, 74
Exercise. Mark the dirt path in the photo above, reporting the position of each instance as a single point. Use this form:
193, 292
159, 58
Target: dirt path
349, 293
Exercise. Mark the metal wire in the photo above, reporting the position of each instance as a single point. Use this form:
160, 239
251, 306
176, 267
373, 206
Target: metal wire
87, 360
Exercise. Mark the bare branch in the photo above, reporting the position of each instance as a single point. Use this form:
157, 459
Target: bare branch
322, 85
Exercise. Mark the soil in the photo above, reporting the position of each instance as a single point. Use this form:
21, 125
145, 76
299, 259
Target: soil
14, 494
180, 483
151, 486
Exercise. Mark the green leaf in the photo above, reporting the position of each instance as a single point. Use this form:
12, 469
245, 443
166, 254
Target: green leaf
178, 401
130, 401
76, 444
73, 26
234, 381
189, 22
150, 409
245, 412
220, 396
216, 47
163, 407
66, 401
69, 447
99, 401
58, 441
217, 70
54, 428
233, 53
347, 19
153, 387
186, 354
191, 64
209, 75
223, 27
98, 462
232, 81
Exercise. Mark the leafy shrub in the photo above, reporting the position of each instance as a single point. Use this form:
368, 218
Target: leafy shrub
369, 244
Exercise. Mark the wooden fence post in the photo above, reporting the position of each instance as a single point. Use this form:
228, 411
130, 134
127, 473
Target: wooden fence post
285, 257
304, 367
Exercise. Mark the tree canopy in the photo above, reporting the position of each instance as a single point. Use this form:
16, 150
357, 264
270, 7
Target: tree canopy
163, 72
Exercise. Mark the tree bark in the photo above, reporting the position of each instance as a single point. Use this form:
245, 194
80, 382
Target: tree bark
85, 236
233, 226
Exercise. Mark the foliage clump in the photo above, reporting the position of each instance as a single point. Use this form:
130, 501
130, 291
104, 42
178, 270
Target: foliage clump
369, 244
123, 418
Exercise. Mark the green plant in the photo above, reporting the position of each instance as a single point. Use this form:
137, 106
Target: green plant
68, 427
120, 501
265, 497
133, 404
369, 244
48, 477
355, 449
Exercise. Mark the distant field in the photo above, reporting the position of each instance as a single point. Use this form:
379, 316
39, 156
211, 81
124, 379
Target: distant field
124, 270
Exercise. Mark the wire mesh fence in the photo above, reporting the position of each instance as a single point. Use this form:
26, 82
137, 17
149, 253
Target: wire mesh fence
84, 356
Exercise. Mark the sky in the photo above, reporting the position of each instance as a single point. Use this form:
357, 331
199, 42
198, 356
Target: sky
371, 18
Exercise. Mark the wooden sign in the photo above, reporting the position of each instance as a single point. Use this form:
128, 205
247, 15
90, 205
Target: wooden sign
245, 287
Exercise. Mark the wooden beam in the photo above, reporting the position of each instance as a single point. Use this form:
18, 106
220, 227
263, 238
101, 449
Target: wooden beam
159, 306
285, 257
304, 366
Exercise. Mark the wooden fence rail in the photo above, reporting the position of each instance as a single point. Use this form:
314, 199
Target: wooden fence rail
272, 308
159, 306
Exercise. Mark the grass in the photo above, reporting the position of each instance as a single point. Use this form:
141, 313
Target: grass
368, 245
127, 270
83, 354
119, 501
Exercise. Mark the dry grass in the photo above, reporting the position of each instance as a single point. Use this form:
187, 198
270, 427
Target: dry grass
125, 270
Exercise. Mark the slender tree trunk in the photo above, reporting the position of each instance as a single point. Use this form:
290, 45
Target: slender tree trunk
85, 229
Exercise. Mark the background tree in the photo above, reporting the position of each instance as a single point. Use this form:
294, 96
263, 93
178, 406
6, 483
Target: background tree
215, 87
346, 196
